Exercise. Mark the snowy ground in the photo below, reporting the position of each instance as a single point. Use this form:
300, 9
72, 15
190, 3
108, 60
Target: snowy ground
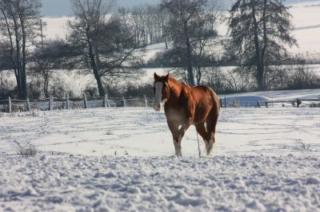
224, 183
121, 159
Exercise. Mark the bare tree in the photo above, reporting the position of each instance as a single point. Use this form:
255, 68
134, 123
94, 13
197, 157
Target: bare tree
19, 22
148, 24
50, 55
104, 41
190, 29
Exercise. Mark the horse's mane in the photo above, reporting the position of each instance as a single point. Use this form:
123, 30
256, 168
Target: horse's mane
178, 82
179, 87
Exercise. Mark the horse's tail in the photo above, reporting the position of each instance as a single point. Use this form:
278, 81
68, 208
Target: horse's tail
214, 114
212, 121
215, 100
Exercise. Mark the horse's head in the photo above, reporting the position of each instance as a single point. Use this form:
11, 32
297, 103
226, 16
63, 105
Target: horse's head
161, 90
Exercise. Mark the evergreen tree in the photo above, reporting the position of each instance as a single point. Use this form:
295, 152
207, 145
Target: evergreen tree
260, 32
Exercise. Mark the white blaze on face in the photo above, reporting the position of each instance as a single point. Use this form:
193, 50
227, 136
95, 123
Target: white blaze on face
158, 95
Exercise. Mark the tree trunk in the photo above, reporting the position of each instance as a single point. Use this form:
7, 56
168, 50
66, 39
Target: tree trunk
95, 69
189, 56
199, 75
260, 76
19, 68
46, 84
265, 45
23, 70
18, 57
258, 59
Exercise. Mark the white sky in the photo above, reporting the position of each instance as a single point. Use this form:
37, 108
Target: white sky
63, 7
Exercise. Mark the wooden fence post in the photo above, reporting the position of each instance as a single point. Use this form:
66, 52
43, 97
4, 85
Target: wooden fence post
67, 102
51, 103
299, 102
28, 105
106, 101
9, 105
146, 101
124, 102
85, 101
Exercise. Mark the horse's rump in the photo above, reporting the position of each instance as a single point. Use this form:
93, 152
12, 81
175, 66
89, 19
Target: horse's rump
206, 103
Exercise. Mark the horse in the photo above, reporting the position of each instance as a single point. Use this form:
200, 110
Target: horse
185, 106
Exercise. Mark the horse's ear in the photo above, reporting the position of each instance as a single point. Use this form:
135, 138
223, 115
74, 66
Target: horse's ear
156, 77
166, 78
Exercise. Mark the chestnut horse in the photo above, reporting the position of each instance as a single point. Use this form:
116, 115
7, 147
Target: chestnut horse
185, 105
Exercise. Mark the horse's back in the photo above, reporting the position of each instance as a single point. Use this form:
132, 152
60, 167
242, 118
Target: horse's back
205, 95
206, 102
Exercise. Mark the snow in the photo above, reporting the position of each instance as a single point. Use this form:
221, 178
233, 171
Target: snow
60, 182
151, 51
265, 159
121, 159
56, 27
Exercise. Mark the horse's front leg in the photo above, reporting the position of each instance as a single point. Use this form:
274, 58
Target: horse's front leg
177, 131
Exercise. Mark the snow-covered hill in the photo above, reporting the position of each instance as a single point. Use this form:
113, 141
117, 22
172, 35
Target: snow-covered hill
305, 16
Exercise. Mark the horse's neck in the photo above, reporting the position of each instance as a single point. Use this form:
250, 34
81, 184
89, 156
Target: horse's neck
176, 90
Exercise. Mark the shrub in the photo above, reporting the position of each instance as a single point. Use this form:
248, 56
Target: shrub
303, 78
27, 150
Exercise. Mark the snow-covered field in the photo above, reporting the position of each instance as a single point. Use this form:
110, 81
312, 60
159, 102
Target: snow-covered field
121, 159
224, 183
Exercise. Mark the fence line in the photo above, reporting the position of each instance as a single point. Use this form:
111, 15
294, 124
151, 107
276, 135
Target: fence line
17, 105
298, 102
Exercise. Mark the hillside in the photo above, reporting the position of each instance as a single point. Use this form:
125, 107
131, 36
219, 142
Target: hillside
305, 18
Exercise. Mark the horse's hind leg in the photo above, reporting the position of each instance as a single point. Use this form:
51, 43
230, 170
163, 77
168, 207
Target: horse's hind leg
211, 128
203, 131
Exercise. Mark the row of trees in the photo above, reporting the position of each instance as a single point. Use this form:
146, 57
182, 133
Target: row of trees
19, 21
104, 42
147, 23
260, 31
99, 41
